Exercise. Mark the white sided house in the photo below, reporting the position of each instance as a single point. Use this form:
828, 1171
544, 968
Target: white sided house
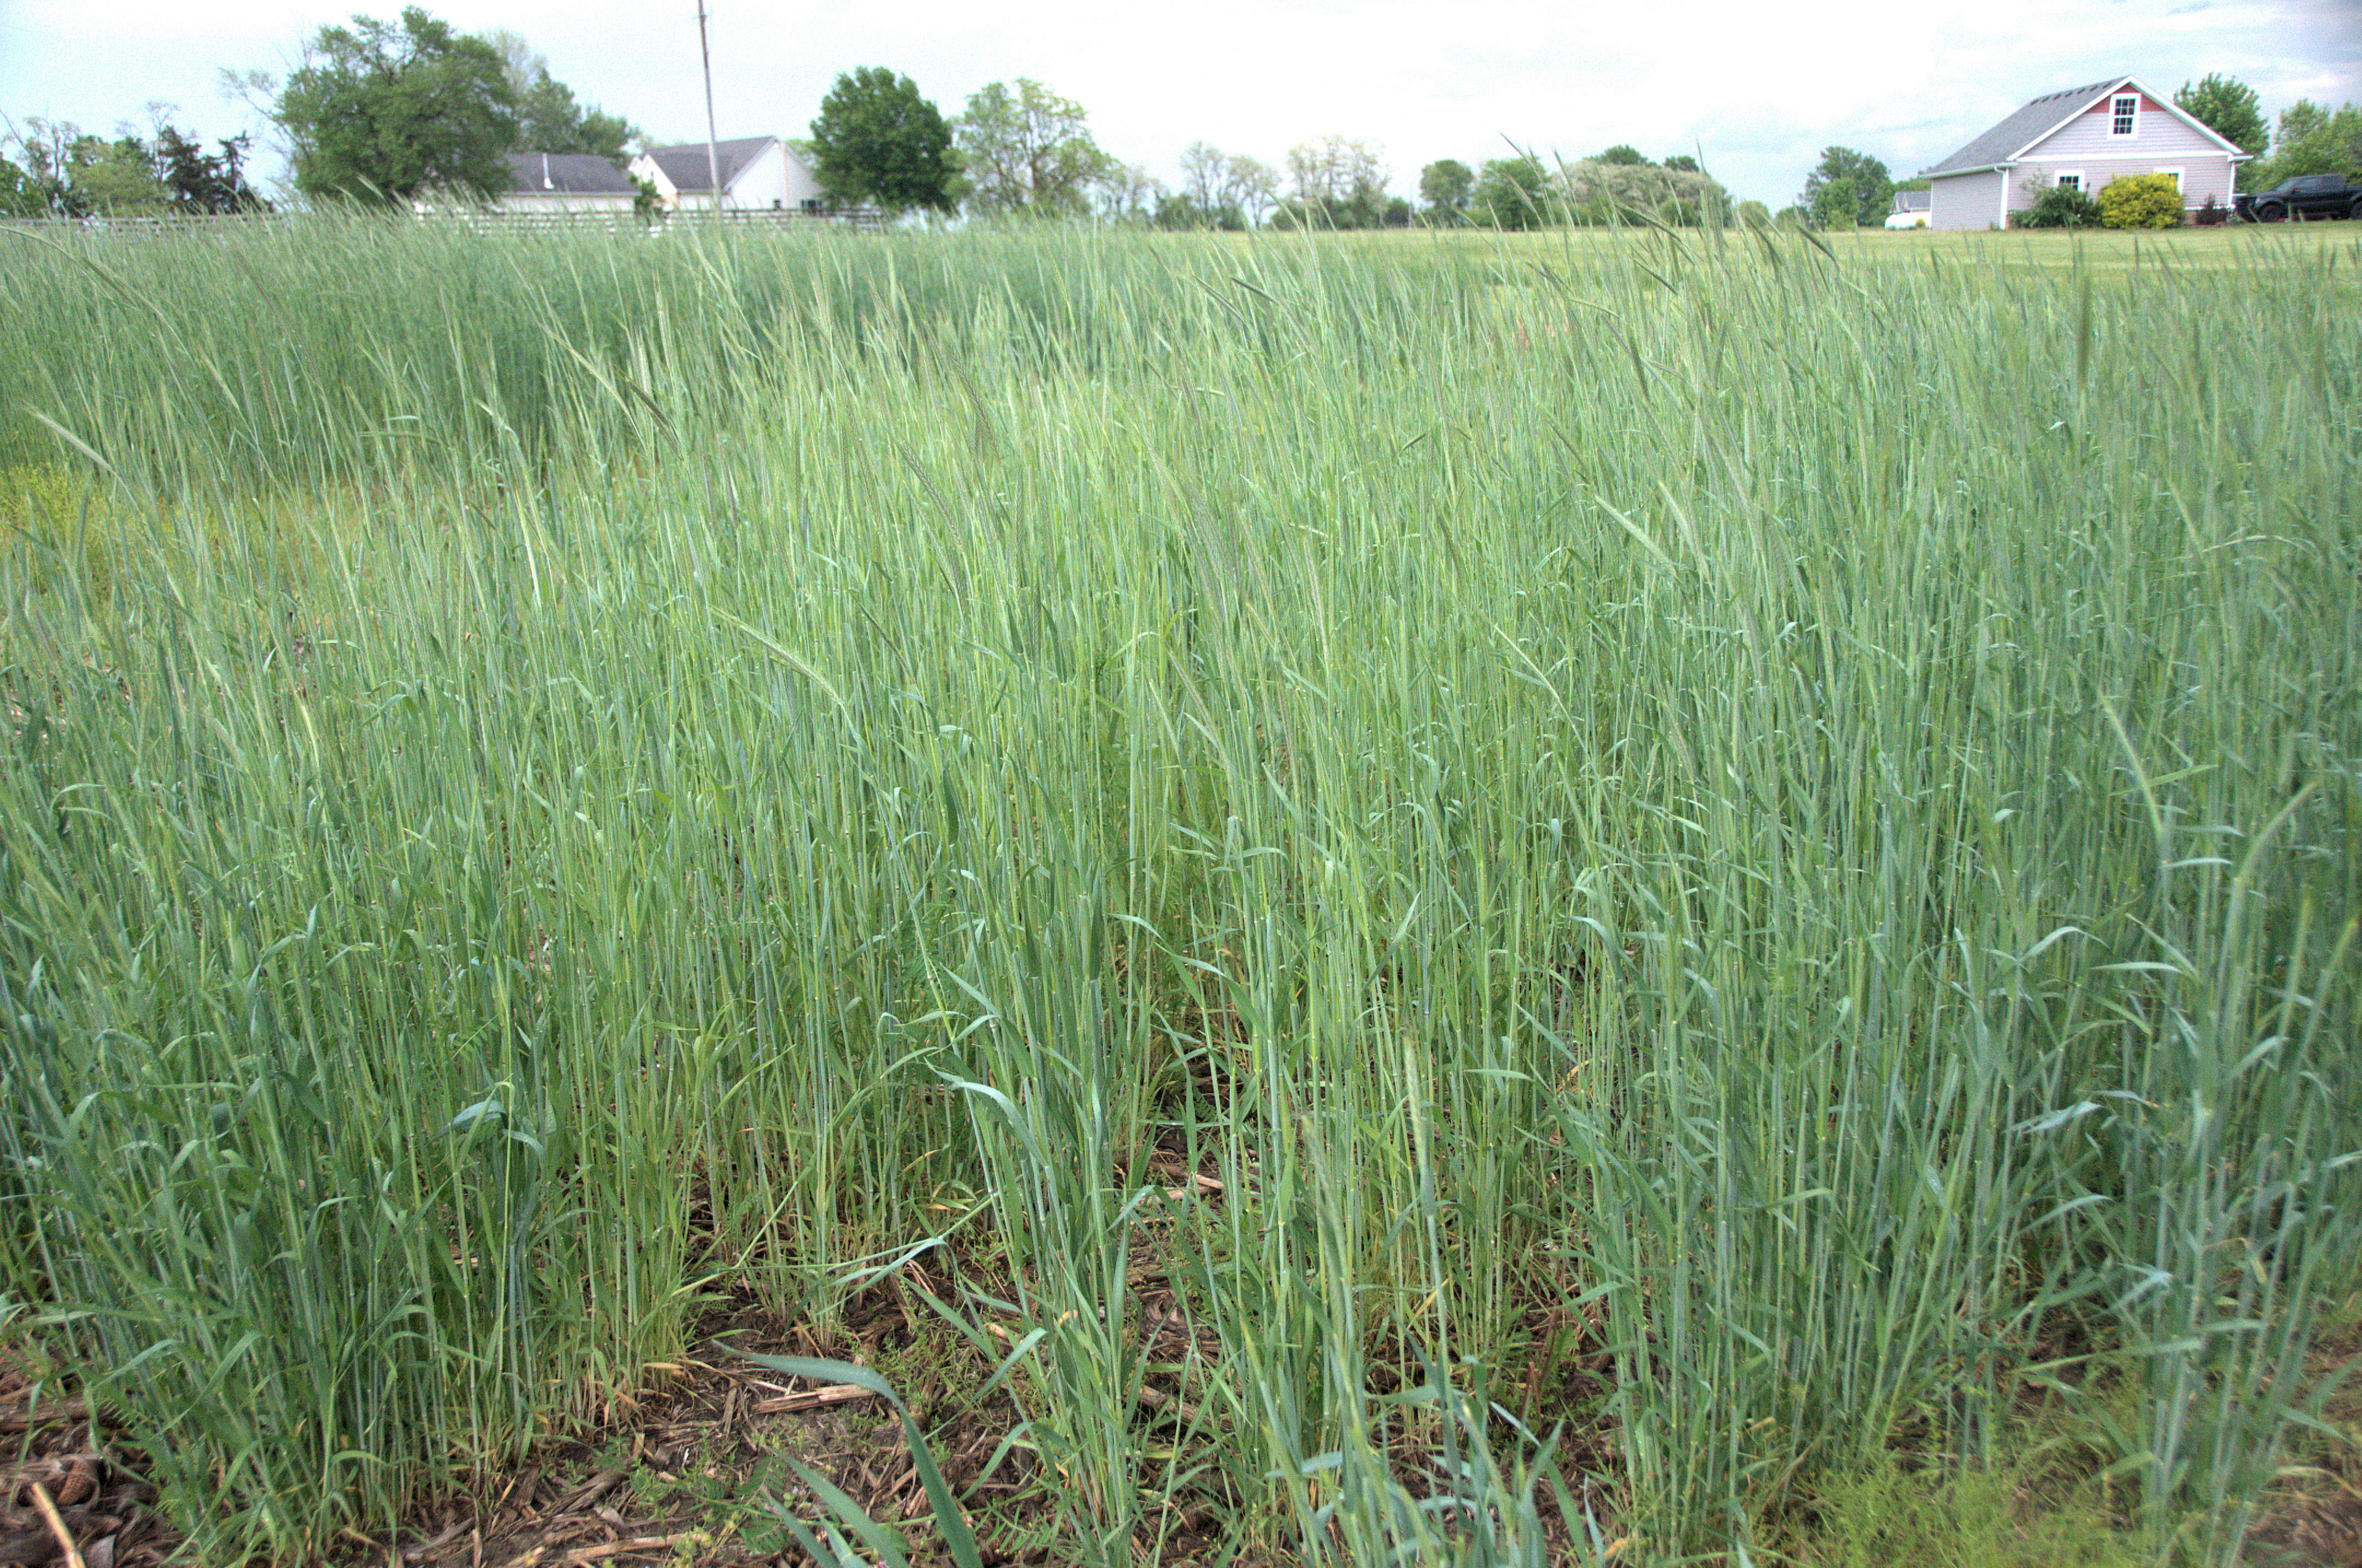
2084, 137
565, 183
759, 174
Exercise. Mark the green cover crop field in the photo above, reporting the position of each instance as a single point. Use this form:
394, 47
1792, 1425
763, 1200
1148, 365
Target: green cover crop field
1635, 897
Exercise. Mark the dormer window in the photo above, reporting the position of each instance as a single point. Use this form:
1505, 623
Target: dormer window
2127, 109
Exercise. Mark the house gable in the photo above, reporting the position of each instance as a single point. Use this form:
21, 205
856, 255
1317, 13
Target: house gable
2035, 119
758, 172
685, 169
2158, 128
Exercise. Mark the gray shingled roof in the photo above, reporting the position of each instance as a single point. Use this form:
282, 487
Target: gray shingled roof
2022, 129
687, 168
567, 173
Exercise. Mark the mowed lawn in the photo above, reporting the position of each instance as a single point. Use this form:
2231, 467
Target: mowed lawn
2230, 245
1586, 897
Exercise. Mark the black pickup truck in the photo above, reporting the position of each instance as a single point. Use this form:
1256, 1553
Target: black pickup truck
2306, 196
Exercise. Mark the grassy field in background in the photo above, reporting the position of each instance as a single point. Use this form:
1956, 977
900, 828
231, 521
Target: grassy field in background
1619, 896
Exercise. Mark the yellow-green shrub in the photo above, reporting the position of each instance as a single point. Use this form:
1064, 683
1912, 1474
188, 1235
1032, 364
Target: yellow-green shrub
2141, 201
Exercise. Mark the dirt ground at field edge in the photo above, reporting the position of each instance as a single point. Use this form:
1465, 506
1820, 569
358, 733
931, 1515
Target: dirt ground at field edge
65, 1489
690, 1471
2312, 1516
693, 1469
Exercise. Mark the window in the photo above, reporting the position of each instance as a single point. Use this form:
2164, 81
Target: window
2172, 174
2127, 108
2071, 178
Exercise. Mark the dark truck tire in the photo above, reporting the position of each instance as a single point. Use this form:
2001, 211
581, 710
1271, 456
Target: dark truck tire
2270, 212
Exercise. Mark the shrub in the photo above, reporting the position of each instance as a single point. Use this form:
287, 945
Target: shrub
2141, 201
2060, 206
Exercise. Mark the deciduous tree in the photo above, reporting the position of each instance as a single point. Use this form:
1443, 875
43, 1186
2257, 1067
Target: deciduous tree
1028, 153
1872, 190
1127, 193
2314, 139
1209, 196
1516, 193
44, 189
1218, 190
1251, 185
117, 176
1837, 203
68, 172
1339, 183
1203, 165
383, 113
2229, 108
548, 119
1447, 186
20, 194
879, 143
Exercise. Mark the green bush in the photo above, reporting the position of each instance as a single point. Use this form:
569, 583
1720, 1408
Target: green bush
2060, 206
2141, 201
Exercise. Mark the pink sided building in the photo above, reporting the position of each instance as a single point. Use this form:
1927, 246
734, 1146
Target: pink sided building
2084, 137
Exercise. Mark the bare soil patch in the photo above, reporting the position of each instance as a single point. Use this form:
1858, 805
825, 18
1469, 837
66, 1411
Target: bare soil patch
2312, 1516
65, 1488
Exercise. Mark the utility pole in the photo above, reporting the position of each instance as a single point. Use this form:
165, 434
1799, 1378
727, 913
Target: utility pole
713, 151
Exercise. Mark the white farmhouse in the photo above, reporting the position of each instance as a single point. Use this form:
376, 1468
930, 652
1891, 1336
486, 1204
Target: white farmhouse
759, 174
565, 182
2084, 137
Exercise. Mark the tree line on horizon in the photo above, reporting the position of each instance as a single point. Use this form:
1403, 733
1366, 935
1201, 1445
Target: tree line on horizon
384, 112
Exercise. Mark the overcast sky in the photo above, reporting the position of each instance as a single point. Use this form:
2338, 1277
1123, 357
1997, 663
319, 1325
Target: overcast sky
1758, 88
